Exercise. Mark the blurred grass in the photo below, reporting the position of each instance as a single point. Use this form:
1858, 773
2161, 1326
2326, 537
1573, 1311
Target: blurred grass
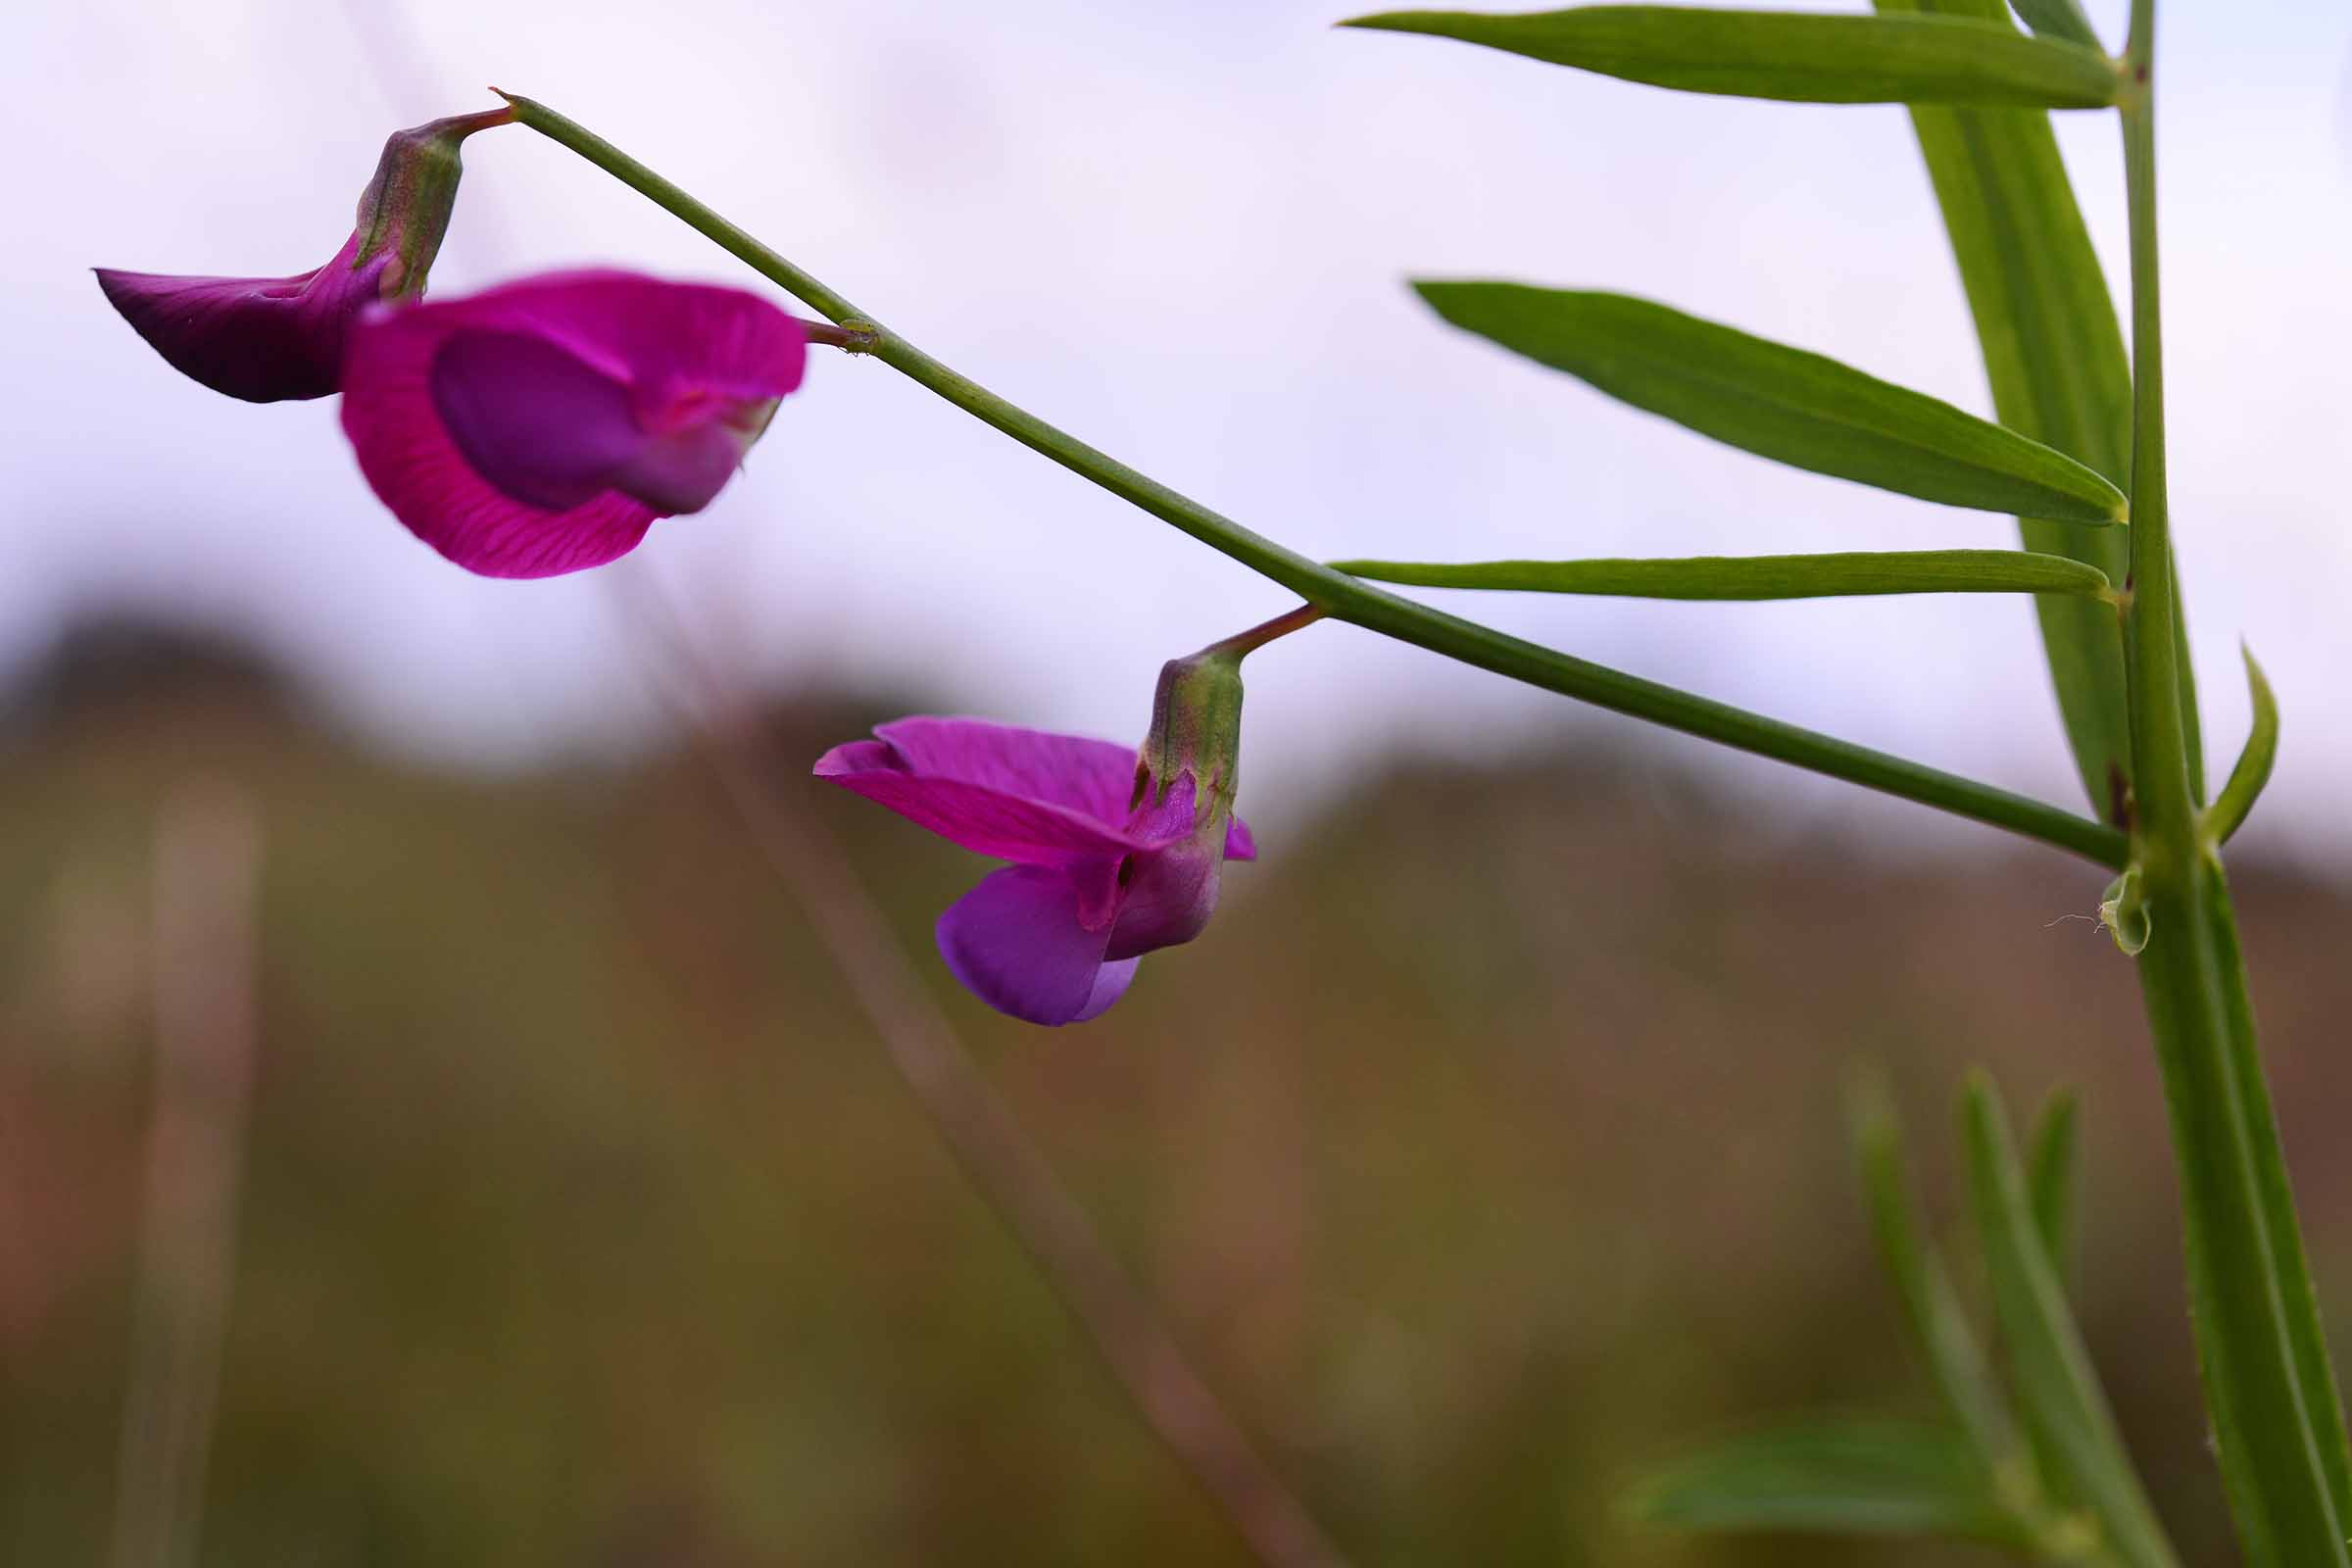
1487, 1148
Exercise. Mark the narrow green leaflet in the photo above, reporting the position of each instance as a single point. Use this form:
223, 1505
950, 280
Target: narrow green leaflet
2058, 19
1939, 1327
1807, 57
1906, 571
2050, 1177
1778, 402
1830, 1476
2056, 1389
2253, 770
2054, 357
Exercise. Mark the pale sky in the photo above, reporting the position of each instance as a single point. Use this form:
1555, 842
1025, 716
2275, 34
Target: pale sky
1182, 231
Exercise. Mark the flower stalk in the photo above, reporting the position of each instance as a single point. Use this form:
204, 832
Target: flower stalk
1347, 598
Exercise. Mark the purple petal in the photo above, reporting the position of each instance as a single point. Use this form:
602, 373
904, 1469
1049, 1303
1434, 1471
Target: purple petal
1110, 984
1019, 816
1166, 896
1239, 843
263, 339
679, 345
415, 466
686, 356
1004, 826
682, 471
1094, 777
541, 424
1015, 942
1162, 818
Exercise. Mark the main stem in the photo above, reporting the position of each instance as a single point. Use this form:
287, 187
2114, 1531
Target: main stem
1344, 597
2276, 1419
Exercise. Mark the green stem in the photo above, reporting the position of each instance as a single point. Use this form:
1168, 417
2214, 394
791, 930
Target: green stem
1344, 597
1243, 643
2277, 1418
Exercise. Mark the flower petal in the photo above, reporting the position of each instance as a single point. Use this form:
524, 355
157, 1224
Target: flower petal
688, 356
1166, 896
1015, 942
983, 820
1239, 843
684, 469
415, 469
1088, 777
541, 424
993, 789
675, 343
263, 339
1110, 984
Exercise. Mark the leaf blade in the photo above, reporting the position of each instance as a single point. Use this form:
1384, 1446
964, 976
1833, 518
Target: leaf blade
1800, 56
1829, 1476
2057, 1390
2054, 357
1753, 577
1779, 402
2050, 1176
2231, 807
1940, 1329
2059, 19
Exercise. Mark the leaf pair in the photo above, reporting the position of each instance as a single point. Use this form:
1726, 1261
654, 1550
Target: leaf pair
2052, 349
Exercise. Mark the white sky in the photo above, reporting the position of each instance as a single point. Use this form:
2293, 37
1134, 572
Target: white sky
1181, 230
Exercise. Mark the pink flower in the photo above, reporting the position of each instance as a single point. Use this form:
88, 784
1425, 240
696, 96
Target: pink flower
1110, 861
541, 427
267, 339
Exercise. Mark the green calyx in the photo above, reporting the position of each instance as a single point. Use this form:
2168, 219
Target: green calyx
1197, 722
1196, 731
406, 207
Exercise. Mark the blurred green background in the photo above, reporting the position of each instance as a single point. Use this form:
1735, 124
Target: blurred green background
1487, 1149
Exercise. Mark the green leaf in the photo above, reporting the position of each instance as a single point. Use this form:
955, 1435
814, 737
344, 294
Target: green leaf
2054, 357
2056, 1388
2253, 770
1778, 402
2050, 1176
1806, 57
1830, 1476
1908, 571
1940, 1330
2059, 19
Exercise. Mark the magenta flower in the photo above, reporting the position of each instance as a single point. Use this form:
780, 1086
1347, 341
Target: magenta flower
1112, 859
267, 339
541, 427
